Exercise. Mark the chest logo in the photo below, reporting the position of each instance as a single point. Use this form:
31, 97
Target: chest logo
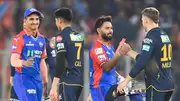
41, 44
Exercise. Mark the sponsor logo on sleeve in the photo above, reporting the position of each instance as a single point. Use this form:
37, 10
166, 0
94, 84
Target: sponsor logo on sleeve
14, 47
59, 38
98, 51
146, 48
102, 57
60, 45
147, 40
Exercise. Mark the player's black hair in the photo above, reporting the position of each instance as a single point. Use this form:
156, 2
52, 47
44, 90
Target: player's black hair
101, 20
151, 13
64, 13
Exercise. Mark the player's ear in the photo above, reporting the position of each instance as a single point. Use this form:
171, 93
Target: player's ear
24, 21
98, 30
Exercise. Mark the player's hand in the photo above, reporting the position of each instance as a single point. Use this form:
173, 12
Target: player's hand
11, 80
29, 62
125, 48
121, 86
53, 42
89, 98
54, 93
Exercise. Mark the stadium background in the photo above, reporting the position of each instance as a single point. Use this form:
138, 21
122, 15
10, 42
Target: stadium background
126, 21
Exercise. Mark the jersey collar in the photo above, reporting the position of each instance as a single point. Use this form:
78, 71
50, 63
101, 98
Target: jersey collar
66, 29
102, 42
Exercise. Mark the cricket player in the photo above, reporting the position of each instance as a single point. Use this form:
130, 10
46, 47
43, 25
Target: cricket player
50, 60
28, 55
51, 57
155, 58
103, 60
69, 50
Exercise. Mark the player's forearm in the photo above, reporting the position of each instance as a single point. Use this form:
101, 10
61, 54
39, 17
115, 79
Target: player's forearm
128, 78
110, 64
55, 82
16, 61
43, 71
60, 64
133, 54
140, 64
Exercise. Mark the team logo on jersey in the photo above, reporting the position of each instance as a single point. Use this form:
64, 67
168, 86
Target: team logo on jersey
59, 38
60, 45
41, 44
98, 51
14, 47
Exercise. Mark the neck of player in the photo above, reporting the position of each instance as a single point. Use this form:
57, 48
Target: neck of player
65, 25
151, 26
33, 32
105, 42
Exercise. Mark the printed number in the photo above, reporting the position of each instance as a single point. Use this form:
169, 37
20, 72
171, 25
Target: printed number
30, 53
79, 45
167, 52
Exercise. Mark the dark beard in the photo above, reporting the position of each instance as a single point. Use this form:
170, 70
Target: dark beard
106, 38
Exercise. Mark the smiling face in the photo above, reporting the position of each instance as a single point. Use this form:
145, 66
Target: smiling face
32, 22
106, 31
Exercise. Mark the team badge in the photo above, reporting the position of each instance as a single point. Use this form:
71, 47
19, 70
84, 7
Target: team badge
59, 39
41, 44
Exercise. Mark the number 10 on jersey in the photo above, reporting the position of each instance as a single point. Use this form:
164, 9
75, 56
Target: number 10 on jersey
167, 52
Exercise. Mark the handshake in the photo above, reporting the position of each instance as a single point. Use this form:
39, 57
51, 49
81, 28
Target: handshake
123, 48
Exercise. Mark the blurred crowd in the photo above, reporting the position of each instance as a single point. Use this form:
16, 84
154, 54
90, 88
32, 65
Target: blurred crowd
126, 22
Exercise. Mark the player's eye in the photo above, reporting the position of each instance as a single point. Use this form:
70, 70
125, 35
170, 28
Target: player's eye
37, 18
31, 19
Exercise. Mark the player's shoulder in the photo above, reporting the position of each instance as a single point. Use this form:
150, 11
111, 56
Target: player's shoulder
96, 48
40, 35
46, 39
19, 36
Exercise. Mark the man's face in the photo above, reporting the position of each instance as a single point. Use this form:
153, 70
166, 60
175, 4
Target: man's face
32, 22
58, 23
106, 31
145, 21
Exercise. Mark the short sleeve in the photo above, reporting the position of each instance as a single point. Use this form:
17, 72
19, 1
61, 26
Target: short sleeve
44, 53
17, 45
99, 56
60, 44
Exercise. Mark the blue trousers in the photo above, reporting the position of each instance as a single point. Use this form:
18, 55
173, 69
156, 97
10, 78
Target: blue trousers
27, 88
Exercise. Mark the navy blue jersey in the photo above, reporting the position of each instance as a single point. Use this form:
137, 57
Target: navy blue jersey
51, 54
72, 43
156, 59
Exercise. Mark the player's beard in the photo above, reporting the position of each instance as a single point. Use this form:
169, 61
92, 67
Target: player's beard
106, 38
